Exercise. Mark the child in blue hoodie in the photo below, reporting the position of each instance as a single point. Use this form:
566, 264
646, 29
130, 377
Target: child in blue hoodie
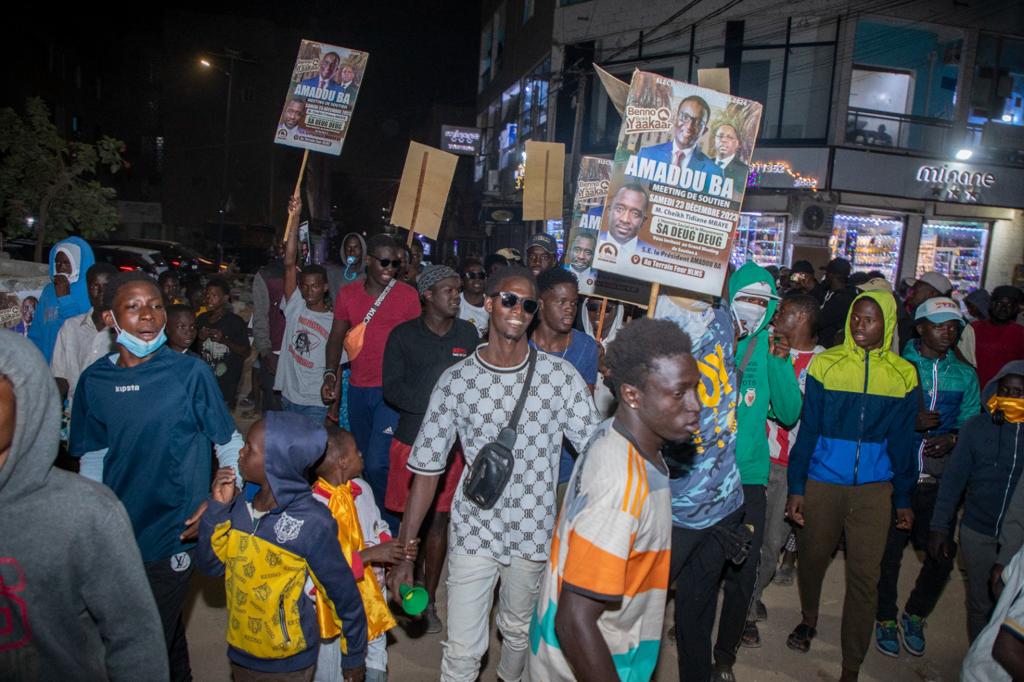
268, 543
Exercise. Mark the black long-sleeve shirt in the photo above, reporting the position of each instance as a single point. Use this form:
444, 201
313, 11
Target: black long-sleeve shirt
832, 317
414, 358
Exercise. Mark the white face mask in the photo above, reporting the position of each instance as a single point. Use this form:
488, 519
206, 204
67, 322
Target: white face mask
748, 316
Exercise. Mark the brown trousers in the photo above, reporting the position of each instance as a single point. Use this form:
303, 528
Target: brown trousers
864, 513
240, 674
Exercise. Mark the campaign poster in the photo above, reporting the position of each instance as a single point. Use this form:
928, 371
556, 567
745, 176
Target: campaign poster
588, 206
18, 309
321, 96
677, 184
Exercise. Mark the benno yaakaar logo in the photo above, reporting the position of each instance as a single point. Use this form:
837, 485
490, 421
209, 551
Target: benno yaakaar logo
648, 119
591, 189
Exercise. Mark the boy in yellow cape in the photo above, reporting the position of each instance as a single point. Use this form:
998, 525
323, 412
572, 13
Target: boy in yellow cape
364, 541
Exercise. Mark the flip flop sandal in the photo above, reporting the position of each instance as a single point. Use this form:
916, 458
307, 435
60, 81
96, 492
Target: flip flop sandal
800, 638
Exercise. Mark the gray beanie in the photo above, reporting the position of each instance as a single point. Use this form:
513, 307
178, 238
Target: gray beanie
431, 275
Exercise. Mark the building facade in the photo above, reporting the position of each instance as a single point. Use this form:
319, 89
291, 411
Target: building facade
892, 133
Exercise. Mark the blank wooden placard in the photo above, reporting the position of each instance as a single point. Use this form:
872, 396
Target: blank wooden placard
714, 79
545, 168
422, 195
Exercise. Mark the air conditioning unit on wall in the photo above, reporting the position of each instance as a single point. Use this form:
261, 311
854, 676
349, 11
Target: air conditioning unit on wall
812, 214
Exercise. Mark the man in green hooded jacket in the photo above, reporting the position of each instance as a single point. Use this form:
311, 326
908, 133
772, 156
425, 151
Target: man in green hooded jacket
767, 385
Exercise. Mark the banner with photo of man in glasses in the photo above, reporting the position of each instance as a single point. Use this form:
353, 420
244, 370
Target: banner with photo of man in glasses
321, 96
588, 207
677, 184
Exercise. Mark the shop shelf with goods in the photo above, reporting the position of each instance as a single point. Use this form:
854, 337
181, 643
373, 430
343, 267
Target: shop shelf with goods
957, 250
869, 242
760, 238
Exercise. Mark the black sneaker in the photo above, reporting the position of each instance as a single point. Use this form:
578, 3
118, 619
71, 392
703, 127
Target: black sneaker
723, 673
434, 624
751, 636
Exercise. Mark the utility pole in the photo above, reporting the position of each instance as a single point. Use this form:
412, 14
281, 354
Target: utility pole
577, 129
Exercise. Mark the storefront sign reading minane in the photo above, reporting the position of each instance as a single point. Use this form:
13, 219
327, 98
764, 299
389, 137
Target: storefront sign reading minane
955, 185
927, 179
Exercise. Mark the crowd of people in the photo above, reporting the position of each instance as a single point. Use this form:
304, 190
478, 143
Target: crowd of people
491, 425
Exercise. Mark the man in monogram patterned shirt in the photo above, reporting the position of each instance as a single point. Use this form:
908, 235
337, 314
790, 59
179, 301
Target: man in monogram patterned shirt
474, 400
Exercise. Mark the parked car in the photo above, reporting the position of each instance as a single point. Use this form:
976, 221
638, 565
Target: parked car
128, 258
176, 255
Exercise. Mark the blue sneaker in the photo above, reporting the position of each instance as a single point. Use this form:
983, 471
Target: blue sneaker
887, 637
913, 634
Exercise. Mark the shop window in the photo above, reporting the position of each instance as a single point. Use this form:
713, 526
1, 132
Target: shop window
998, 93
760, 238
869, 242
555, 229
957, 250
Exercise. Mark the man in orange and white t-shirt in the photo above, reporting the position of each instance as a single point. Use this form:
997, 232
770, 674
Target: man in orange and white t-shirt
602, 601
795, 321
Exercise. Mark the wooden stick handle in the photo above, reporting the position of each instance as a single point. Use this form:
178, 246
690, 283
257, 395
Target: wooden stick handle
600, 318
302, 172
298, 188
653, 302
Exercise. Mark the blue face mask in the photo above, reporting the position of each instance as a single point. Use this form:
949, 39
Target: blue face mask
137, 346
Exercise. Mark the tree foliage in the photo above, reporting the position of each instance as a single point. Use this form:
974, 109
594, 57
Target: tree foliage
48, 185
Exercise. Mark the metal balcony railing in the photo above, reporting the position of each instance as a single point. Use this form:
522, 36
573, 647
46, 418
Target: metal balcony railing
936, 136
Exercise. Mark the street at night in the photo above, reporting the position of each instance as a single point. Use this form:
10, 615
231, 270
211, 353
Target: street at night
513, 340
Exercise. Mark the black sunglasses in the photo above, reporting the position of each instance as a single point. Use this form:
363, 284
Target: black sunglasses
387, 263
511, 300
475, 275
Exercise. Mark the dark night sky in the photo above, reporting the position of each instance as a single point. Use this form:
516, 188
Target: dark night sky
420, 53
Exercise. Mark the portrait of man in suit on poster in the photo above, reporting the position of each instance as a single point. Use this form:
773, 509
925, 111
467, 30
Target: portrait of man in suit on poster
683, 150
727, 154
325, 77
346, 80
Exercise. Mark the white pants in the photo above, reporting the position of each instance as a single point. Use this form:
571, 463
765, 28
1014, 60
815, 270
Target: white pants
470, 596
328, 660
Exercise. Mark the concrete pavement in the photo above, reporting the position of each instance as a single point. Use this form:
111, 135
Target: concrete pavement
416, 657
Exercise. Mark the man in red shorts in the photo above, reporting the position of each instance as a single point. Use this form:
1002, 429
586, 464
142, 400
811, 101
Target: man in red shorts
416, 354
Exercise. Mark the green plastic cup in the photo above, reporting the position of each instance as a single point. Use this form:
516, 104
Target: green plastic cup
414, 599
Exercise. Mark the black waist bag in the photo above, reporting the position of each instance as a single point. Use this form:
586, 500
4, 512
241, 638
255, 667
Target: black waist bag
492, 468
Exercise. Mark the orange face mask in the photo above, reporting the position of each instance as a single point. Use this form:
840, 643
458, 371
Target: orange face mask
1012, 408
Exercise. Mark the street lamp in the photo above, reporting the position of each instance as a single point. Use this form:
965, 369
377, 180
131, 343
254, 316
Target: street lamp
231, 56
206, 63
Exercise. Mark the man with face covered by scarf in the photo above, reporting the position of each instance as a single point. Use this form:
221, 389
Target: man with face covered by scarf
767, 385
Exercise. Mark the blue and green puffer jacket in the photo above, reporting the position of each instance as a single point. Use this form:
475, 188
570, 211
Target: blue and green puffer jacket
857, 425
949, 387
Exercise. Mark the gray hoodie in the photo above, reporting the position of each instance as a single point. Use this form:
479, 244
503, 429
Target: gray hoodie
70, 571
